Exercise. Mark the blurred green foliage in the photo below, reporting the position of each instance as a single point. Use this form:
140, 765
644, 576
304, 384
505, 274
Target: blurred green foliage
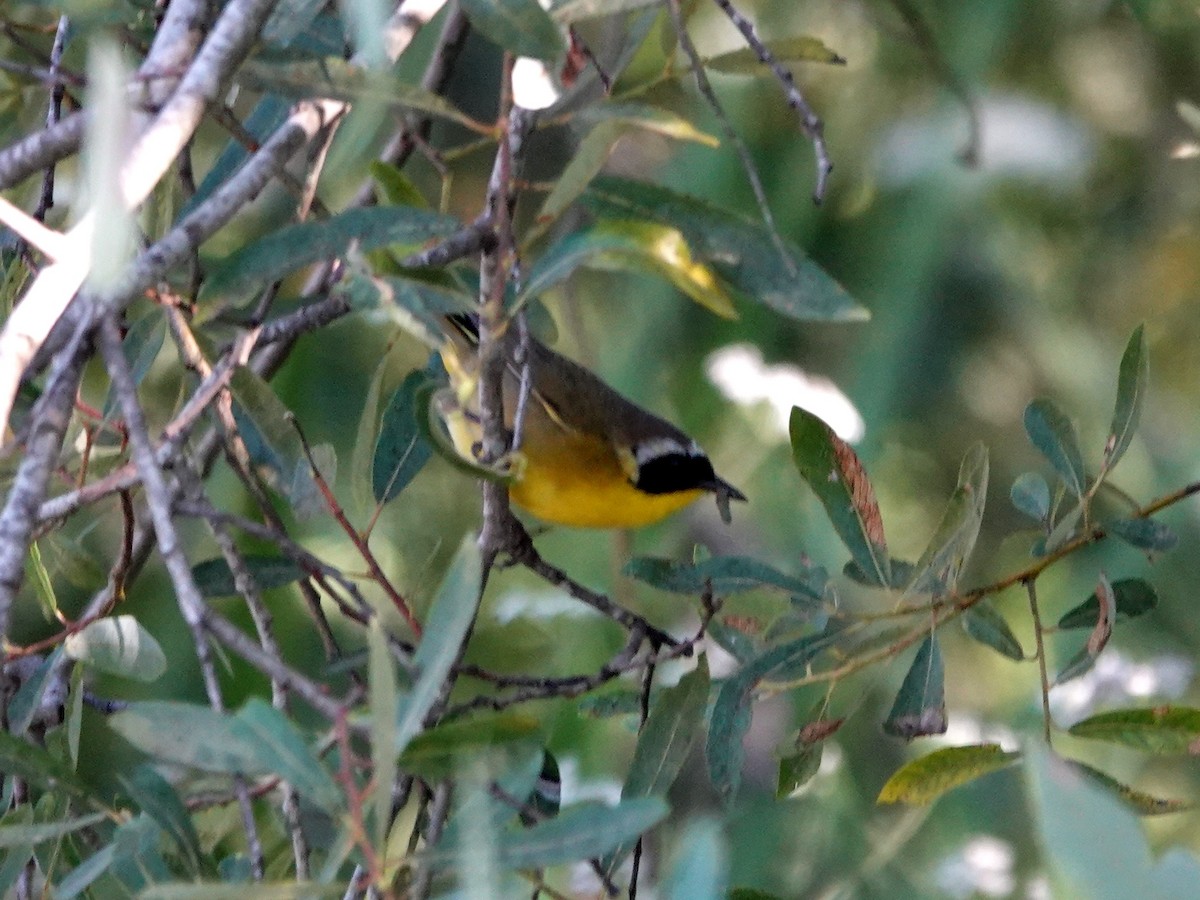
988, 286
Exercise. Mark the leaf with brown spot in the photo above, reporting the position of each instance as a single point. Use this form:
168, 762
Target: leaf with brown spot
1098, 639
837, 477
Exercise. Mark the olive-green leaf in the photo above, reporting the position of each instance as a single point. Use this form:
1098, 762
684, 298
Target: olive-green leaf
38, 832
724, 575
926, 778
803, 48
633, 246
742, 252
953, 541
519, 26
1140, 802
293, 247
446, 625
284, 751
1158, 729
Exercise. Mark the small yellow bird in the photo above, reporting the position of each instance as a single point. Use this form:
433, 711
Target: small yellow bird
588, 457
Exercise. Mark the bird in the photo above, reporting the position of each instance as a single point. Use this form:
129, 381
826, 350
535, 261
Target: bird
588, 457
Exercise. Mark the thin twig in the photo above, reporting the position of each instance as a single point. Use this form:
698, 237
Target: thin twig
1040, 644
809, 121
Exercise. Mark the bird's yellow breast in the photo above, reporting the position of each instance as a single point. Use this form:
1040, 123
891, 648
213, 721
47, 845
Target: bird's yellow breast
579, 481
572, 478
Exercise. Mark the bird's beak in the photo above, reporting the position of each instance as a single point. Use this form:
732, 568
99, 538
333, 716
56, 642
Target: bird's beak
724, 492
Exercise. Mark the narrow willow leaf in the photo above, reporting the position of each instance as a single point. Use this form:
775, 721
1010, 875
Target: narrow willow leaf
700, 867
43, 586
987, 626
586, 163
674, 723
803, 48
1158, 729
724, 574
31, 697
433, 753
363, 455
39, 832
730, 717
190, 735
293, 247
1133, 597
449, 618
633, 246
285, 752
21, 759
398, 189
307, 499
743, 252
1145, 534
953, 541
1052, 433
13, 862
920, 707
400, 450
1141, 803
118, 645
74, 723
341, 79
156, 798
928, 777
214, 578
837, 477
382, 699
265, 424
519, 26
1031, 495
1132, 380
1063, 531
